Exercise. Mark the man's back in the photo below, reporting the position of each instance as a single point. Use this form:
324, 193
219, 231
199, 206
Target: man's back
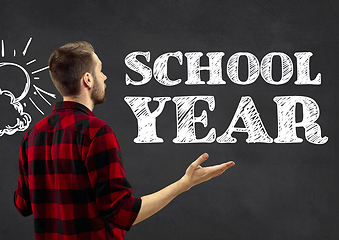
70, 172
72, 178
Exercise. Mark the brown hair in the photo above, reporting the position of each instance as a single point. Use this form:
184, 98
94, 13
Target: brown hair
68, 63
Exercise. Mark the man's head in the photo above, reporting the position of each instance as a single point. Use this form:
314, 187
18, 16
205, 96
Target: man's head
68, 64
72, 65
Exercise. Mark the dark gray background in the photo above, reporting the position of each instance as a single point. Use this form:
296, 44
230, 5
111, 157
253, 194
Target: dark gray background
275, 191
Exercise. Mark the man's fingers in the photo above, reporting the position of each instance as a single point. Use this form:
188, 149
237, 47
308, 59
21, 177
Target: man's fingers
205, 156
221, 167
211, 171
216, 170
227, 165
200, 160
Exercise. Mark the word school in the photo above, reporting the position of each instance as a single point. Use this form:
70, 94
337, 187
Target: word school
215, 68
246, 110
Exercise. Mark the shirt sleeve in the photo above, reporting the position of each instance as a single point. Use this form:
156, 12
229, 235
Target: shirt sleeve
107, 177
21, 195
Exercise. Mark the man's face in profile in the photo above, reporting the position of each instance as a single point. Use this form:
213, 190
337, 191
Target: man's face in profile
98, 93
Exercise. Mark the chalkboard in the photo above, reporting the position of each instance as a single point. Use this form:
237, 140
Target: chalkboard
264, 72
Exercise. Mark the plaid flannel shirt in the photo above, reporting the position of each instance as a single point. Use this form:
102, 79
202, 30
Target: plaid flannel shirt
72, 179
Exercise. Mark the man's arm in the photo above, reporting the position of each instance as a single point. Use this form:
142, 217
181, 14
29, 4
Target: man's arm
21, 195
194, 175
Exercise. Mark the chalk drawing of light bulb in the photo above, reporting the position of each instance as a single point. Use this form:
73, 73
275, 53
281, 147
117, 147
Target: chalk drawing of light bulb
23, 119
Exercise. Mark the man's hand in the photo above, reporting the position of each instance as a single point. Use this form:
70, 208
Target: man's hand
196, 174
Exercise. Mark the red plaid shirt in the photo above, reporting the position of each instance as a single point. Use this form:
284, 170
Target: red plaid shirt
72, 179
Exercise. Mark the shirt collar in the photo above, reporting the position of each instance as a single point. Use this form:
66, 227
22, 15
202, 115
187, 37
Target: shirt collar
72, 105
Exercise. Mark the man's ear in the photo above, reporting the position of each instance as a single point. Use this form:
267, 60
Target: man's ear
87, 80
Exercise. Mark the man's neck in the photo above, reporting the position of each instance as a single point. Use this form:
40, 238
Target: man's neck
86, 102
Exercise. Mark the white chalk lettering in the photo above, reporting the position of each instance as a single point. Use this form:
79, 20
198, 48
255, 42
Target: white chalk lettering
194, 68
253, 125
186, 119
233, 65
286, 108
160, 69
286, 65
134, 64
264, 68
246, 111
147, 132
303, 70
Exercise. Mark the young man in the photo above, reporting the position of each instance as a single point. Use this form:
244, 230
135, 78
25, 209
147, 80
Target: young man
71, 177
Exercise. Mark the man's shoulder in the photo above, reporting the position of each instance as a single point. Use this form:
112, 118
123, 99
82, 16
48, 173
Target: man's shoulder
96, 124
42, 125
77, 121
83, 123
